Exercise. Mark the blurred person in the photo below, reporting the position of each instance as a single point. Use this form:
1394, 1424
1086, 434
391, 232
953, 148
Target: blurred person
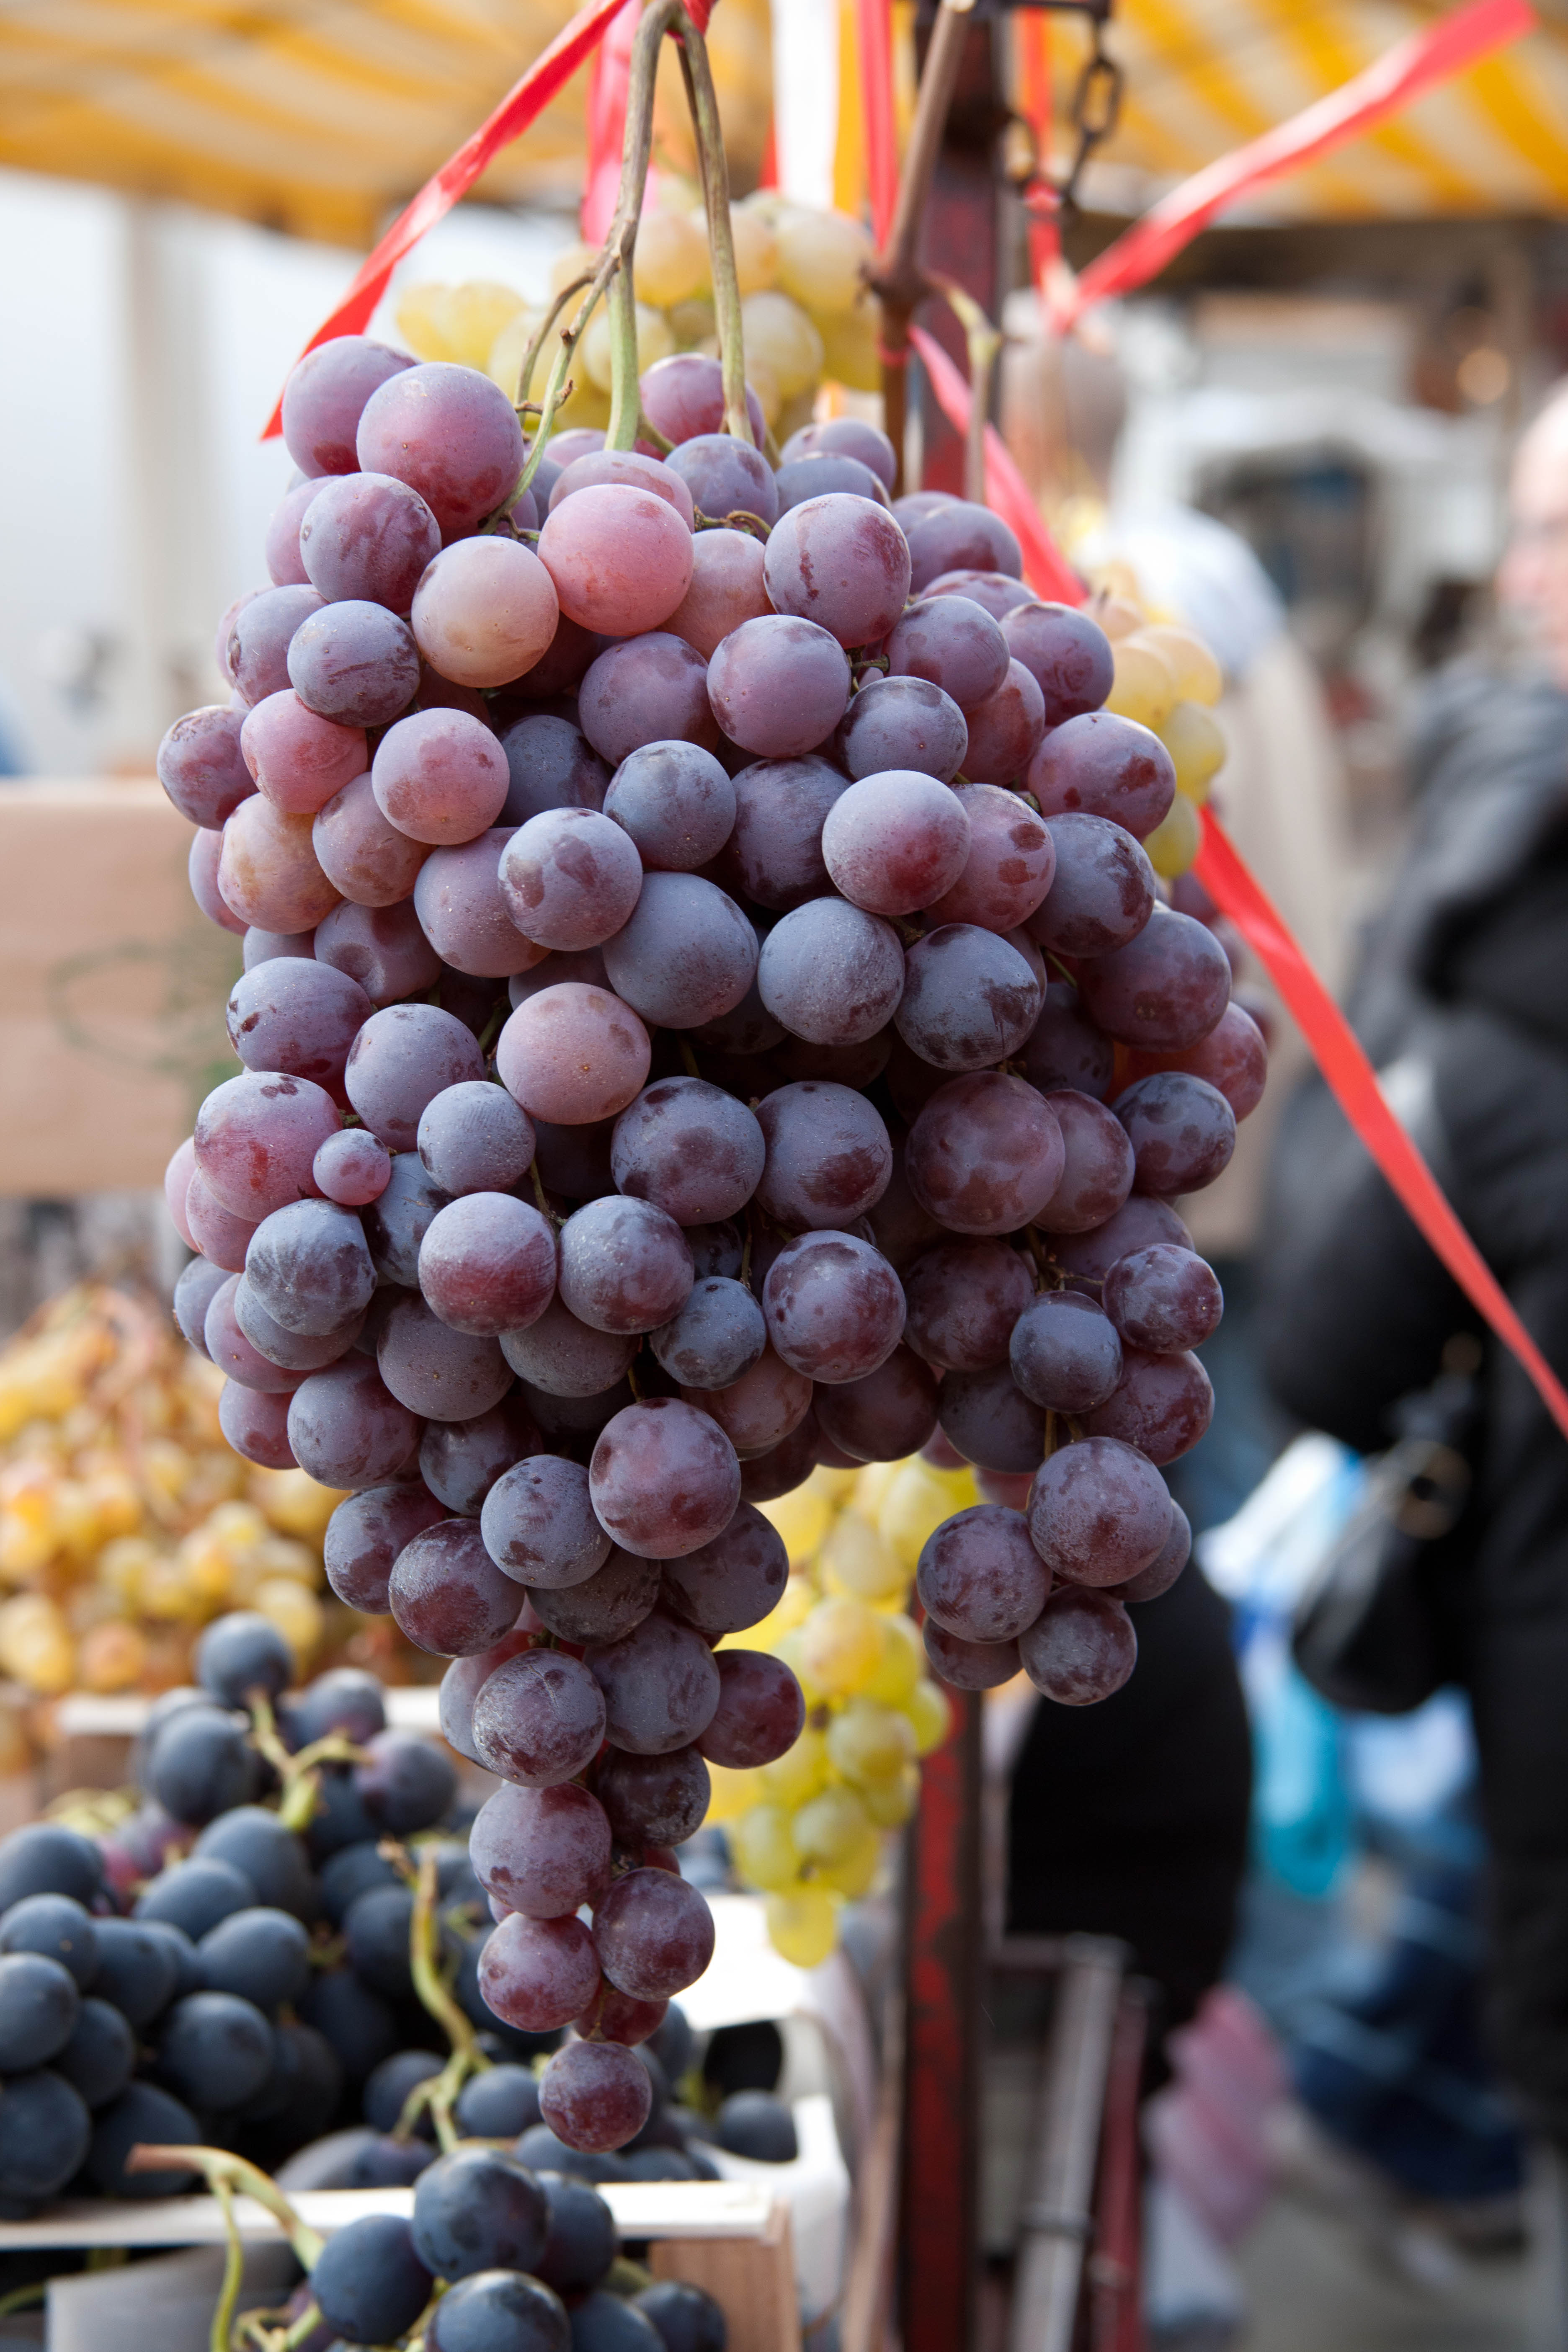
1462, 1003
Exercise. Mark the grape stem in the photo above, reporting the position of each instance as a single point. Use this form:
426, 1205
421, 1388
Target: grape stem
240, 2178
233, 2272
299, 1774
714, 166
438, 2091
983, 342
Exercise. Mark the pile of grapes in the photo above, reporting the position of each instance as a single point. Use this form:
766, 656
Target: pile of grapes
805, 310
254, 1966
706, 1016
127, 1521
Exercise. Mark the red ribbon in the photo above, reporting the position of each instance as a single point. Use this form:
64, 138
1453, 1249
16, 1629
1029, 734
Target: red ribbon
1351, 1077
1411, 66
609, 85
550, 71
874, 31
1045, 567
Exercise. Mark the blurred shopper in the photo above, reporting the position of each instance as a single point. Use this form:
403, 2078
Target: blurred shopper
1462, 1002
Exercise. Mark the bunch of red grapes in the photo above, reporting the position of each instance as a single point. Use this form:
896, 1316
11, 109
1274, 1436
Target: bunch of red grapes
707, 1013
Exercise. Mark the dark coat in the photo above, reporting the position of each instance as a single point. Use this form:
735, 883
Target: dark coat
1464, 995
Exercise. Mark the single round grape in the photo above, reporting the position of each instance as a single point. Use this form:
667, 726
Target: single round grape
403, 1058
684, 395
986, 1154
620, 557
653, 1800
222, 1238
895, 842
963, 1300
347, 1429
433, 1369
298, 758
990, 1420
569, 877
285, 565
1099, 1170
447, 1595
238, 1357
730, 1583
1166, 989
256, 655
759, 1410
1182, 1131
1065, 1354
256, 1138
381, 947
714, 1337
450, 433
953, 642
1100, 1511
959, 536
980, 1576
969, 1000
646, 689
550, 765
686, 954
203, 865
538, 1974
472, 1137
1163, 1298
995, 593
573, 1054
660, 1684
485, 611
498, 2305
774, 853
1005, 730
968, 1665
835, 1308
905, 723
625, 1266
1233, 1057
596, 2094
1165, 1567
725, 477
360, 855
565, 1358
1163, 1404
1011, 863
1137, 1224
324, 399
1080, 1649
828, 1156
538, 1524
398, 1220
1068, 655
297, 1015
846, 435
263, 947
674, 800
831, 972
354, 663
689, 1148
1102, 892
487, 1263
539, 1719
201, 767
764, 1477
193, 1294
440, 777
778, 685
823, 473
266, 874
370, 536
463, 914
889, 1414
606, 1605
461, 1461
761, 1712
654, 1933
364, 1536
726, 589
1106, 766
475, 2210
544, 1852
663, 1478
841, 561
624, 466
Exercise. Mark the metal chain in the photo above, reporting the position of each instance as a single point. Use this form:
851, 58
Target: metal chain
1093, 115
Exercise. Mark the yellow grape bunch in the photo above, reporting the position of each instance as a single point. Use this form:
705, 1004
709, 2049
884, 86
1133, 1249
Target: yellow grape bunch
1167, 679
809, 1830
127, 1521
804, 310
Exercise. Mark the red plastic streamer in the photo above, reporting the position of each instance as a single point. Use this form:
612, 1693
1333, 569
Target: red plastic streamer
609, 85
1411, 66
874, 32
550, 71
1335, 1049
1045, 567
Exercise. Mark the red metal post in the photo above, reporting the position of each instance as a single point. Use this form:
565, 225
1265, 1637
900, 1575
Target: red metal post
961, 239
